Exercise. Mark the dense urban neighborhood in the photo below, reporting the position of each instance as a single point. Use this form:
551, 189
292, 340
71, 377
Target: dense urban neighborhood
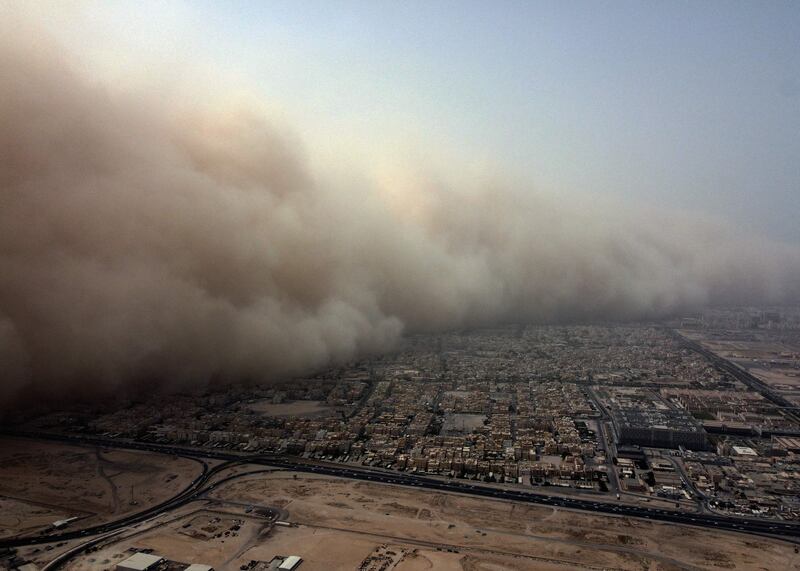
701, 412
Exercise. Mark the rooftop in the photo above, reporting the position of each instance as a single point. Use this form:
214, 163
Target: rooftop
140, 561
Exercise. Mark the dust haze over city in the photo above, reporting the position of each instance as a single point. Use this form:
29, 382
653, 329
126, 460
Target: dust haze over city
380, 247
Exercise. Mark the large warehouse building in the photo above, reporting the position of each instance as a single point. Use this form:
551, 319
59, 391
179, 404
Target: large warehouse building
140, 562
659, 429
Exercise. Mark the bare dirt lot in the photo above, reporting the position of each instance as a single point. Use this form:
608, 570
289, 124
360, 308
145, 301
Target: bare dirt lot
300, 408
342, 524
462, 423
44, 482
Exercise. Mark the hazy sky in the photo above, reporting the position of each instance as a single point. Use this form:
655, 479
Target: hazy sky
197, 193
687, 104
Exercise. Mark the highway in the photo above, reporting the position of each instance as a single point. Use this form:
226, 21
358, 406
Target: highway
198, 487
606, 441
742, 375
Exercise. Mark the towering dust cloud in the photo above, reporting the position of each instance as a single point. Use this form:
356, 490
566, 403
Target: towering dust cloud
143, 241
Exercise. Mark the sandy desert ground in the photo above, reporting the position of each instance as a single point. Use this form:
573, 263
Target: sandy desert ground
51, 481
339, 524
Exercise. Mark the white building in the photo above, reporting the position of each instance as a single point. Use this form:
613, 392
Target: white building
199, 567
290, 563
744, 451
140, 562
63, 522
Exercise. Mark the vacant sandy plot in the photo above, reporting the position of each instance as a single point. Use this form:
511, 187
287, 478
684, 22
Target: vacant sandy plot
41, 482
26, 517
300, 408
424, 560
782, 379
484, 529
462, 423
341, 524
